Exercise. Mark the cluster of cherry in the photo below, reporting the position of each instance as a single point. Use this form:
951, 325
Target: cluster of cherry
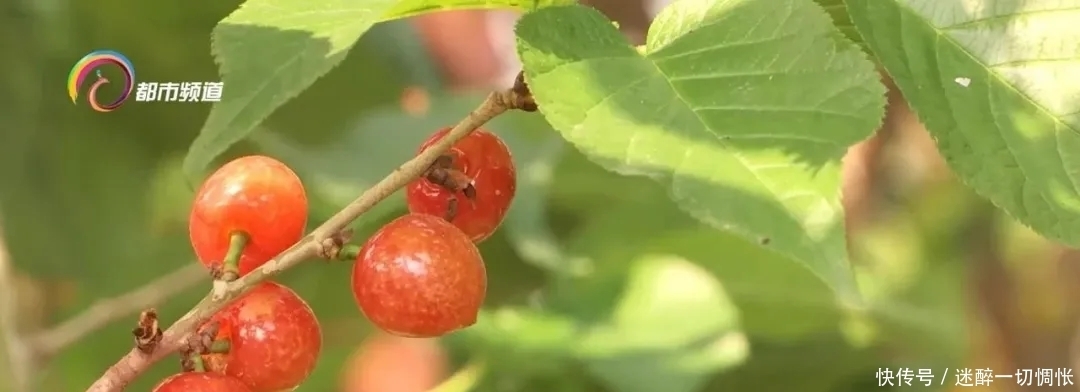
420, 275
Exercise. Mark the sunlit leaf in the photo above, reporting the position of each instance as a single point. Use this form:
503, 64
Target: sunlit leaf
838, 12
270, 51
997, 83
741, 108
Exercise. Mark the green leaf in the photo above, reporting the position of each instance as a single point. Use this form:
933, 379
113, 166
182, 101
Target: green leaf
838, 12
998, 87
270, 51
672, 328
741, 108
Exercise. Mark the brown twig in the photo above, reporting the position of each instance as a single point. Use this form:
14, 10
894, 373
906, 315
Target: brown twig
135, 362
20, 354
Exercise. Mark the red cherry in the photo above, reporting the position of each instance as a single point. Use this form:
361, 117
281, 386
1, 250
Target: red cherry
419, 276
480, 160
257, 195
201, 382
274, 339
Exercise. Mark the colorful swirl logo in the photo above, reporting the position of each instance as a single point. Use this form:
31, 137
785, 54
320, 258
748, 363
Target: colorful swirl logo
92, 63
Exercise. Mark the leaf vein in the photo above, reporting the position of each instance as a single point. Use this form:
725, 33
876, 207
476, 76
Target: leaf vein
763, 109
724, 75
1008, 17
804, 232
1022, 62
1025, 182
725, 45
803, 138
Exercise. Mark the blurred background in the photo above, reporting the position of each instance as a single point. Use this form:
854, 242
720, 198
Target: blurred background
597, 282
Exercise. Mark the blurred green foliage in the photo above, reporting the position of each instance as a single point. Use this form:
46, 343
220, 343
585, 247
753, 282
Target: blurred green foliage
597, 281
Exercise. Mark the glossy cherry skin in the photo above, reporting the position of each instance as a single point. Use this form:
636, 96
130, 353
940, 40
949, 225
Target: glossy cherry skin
483, 157
254, 194
201, 382
419, 276
274, 339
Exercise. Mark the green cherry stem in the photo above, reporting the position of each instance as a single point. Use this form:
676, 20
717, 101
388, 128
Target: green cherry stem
349, 252
230, 267
197, 364
219, 347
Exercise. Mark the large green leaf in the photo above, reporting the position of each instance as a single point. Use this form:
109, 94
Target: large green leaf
271, 50
742, 108
997, 84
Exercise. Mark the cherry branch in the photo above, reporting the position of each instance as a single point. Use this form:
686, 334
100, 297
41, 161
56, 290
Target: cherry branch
321, 242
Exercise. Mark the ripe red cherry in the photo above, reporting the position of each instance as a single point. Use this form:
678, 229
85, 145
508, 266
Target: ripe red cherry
472, 185
202, 382
419, 276
274, 339
257, 195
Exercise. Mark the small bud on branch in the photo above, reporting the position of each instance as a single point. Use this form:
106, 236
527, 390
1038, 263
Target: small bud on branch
147, 332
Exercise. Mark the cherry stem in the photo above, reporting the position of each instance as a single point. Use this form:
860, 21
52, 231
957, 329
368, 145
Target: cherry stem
230, 267
219, 347
348, 252
197, 364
